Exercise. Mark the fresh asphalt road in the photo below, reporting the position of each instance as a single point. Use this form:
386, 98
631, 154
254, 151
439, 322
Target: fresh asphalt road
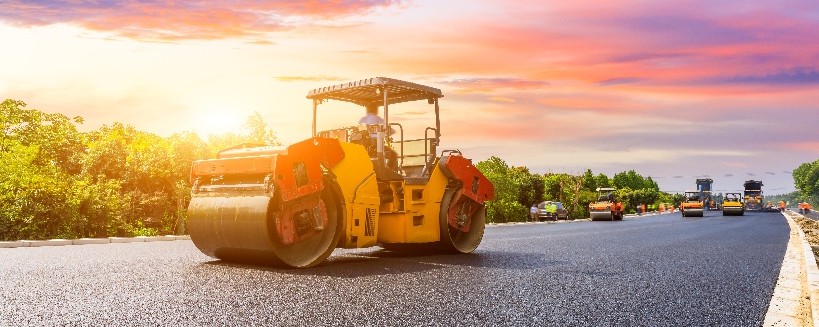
812, 214
658, 270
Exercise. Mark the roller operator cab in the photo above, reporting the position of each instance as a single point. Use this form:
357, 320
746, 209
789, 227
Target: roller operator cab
350, 187
607, 207
692, 205
733, 204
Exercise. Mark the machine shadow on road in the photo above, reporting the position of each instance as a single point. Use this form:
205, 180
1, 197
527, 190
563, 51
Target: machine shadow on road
384, 262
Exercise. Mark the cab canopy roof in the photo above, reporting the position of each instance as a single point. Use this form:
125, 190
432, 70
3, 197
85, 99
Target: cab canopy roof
605, 189
371, 91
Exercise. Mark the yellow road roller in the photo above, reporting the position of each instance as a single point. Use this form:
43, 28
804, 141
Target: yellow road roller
350, 187
732, 205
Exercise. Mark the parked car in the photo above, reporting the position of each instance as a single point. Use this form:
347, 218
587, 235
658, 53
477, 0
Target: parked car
551, 210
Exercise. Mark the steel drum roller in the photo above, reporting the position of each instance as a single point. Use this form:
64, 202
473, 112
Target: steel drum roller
243, 228
220, 225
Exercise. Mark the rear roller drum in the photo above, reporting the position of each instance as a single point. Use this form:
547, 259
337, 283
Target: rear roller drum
462, 222
317, 247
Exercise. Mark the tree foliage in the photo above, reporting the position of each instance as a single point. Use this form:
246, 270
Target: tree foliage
632, 180
57, 182
505, 207
806, 180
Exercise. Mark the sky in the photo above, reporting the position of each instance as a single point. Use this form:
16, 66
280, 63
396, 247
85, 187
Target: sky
675, 90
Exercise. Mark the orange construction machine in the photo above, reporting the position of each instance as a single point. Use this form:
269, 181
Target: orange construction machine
351, 187
692, 206
606, 207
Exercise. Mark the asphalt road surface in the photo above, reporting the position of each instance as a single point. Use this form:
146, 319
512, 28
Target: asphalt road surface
661, 270
812, 214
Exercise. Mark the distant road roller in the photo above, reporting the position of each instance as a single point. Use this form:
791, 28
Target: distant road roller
692, 205
732, 205
351, 187
606, 207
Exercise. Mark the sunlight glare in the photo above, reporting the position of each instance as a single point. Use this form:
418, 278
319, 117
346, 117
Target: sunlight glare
218, 121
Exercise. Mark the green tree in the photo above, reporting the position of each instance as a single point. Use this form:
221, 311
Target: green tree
589, 182
505, 207
806, 179
143, 168
601, 180
569, 190
258, 131
530, 186
35, 200
633, 180
54, 135
187, 147
56, 182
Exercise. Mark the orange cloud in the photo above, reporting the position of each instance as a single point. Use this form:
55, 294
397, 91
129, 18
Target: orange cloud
502, 99
494, 84
177, 20
319, 78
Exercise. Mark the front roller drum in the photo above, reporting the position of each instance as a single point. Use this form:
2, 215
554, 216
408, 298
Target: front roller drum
244, 229
733, 212
601, 215
462, 222
693, 213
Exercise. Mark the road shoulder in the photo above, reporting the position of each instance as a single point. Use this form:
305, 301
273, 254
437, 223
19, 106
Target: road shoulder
795, 300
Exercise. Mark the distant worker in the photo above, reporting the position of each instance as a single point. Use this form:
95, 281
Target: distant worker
804, 207
781, 206
551, 209
372, 117
533, 212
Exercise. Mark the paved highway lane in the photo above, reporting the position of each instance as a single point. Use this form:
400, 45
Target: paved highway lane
661, 270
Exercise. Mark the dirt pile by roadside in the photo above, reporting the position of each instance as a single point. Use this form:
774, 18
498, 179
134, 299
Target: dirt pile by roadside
811, 229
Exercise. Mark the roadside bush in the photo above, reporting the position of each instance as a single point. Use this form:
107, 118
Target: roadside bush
503, 211
56, 182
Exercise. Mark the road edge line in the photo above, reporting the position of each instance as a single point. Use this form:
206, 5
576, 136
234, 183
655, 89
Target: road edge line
87, 241
812, 271
791, 302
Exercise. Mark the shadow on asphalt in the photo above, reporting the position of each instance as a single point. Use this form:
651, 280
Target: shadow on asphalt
384, 262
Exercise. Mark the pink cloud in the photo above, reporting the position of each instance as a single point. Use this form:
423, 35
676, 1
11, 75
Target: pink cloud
494, 84
175, 20
808, 146
686, 47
